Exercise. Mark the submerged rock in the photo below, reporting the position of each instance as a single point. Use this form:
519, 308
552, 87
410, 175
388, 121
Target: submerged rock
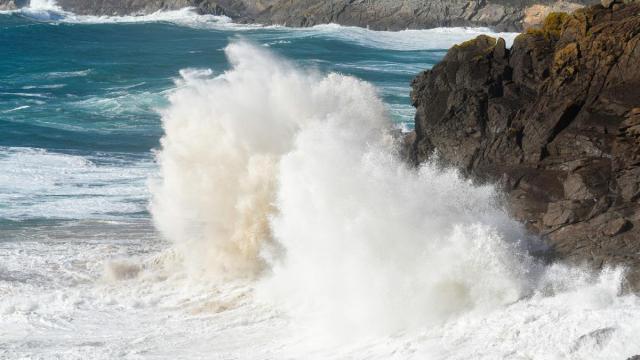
556, 121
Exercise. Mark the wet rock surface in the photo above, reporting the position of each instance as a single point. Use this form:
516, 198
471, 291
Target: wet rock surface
555, 120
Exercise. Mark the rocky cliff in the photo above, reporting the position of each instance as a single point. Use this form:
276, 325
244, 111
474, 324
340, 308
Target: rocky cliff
504, 15
507, 15
556, 121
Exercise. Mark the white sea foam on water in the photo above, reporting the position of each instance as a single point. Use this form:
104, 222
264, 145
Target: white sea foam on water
183, 17
16, 109
123, 104
386, 67
27, 95
438, 38
43, 10
42, 184
48, 10
67, 74
51, 86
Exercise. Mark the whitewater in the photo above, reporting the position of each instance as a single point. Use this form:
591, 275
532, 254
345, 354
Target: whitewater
191, 188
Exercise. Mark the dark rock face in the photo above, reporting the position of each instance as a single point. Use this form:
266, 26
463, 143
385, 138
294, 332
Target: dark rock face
556, 121
505, 15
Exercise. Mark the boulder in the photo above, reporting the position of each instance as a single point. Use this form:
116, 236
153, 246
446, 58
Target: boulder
555, 122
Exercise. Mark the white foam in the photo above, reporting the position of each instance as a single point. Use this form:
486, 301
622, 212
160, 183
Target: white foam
183, 17
387, 67
52, 86
68, 74
27, 95
17, 108
43, 10
428, 39
42, 184
49, 11
44, 4
120, 102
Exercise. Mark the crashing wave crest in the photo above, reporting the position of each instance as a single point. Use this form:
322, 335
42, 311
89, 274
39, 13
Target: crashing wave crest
292, 177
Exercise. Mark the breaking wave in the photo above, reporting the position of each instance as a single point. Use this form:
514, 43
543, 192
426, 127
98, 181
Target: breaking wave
290, 177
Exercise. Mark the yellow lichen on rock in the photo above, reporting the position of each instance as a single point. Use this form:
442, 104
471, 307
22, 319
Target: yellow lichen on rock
535, 15
552, 26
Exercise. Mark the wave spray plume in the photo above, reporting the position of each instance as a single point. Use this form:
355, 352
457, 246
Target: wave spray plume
273, 172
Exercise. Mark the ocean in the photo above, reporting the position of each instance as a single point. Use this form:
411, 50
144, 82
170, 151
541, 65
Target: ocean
180, 186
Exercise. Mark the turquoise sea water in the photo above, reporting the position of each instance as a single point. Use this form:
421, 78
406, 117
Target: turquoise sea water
79, 100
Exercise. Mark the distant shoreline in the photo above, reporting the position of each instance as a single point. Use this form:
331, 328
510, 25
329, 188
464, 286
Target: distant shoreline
393, 15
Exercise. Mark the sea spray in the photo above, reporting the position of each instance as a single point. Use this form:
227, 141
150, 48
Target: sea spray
268, 156
224, 139
373, 248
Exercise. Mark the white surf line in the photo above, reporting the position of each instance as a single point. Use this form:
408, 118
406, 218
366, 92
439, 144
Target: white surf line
16, 109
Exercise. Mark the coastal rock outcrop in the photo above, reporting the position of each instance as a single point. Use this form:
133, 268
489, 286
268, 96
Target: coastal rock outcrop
503, 15
12, 4
555, 120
